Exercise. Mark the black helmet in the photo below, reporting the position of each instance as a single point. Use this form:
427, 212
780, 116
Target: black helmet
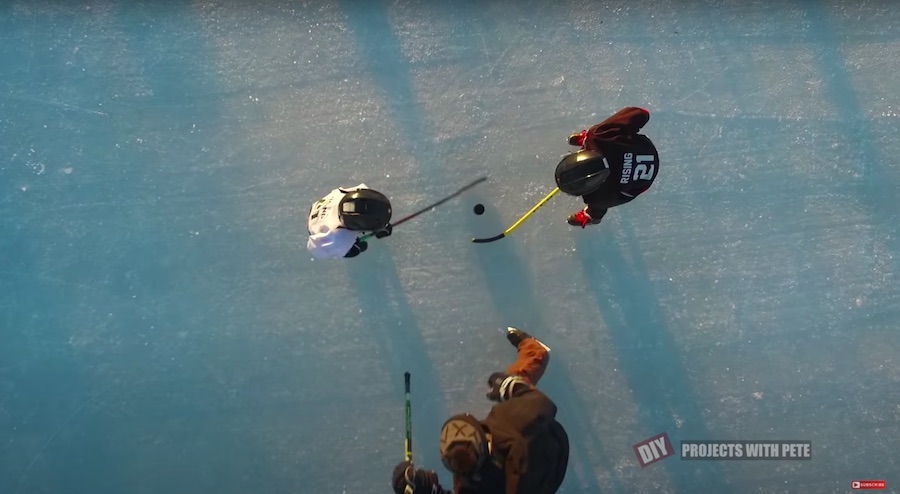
464, 445
365, 210
581, 172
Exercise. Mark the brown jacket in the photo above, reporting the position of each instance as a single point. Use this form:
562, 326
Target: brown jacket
529, 449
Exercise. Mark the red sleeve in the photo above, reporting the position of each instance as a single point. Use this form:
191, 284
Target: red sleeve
624, 124
632, 117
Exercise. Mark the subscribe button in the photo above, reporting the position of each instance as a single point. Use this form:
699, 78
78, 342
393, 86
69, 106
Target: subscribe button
869, 484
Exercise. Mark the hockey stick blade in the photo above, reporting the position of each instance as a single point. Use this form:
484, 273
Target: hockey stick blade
520, 221
486, 240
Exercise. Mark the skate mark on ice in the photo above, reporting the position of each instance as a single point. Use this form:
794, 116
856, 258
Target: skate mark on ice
55, 433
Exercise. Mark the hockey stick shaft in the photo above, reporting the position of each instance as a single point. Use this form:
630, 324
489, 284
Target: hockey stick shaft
408, 444
520, 221
430, 206
442, 201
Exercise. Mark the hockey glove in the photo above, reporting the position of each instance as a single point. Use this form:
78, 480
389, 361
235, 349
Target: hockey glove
384, 232
577, 139
504, 386
407, 479
358, 248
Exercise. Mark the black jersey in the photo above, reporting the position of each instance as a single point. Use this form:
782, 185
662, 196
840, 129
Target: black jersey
633, 159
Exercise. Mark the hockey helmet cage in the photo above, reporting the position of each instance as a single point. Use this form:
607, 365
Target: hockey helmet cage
582, 172
365, 210
464, 445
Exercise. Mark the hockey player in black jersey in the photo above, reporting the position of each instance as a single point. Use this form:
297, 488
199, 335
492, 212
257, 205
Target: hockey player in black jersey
615, 165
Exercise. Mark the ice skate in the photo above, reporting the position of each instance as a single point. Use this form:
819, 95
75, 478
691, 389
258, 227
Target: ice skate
515, 336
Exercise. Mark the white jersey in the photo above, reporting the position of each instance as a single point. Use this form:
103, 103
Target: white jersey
328, 239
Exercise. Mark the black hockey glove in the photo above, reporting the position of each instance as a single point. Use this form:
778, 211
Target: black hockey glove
407, 479
358, 248
504, 386
384, 232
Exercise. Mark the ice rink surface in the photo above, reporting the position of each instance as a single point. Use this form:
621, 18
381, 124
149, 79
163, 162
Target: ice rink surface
163, 329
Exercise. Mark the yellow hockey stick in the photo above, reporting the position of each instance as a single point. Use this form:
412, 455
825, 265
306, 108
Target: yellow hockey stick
521, 220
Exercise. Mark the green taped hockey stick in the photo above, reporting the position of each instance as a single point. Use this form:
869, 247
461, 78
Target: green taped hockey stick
408, 445
408, 442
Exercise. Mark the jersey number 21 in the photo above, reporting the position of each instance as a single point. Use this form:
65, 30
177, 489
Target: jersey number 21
644, 168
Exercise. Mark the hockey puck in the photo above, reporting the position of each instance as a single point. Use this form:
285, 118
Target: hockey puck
479, 209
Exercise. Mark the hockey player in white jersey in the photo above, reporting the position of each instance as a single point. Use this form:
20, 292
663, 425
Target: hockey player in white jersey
337, 220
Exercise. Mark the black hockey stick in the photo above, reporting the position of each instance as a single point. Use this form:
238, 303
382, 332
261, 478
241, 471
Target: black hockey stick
429, 207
